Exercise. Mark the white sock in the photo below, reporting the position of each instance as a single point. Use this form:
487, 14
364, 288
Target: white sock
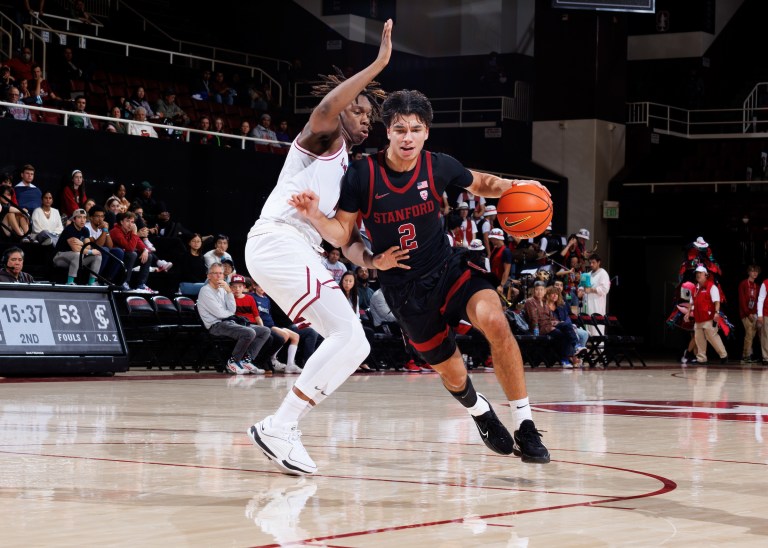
291, 409
292, 353
306, 410
521, 410
481, 406
317, 399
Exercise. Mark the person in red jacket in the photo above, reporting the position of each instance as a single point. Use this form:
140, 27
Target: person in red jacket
124, 236
748, 311
705, 307
73, 196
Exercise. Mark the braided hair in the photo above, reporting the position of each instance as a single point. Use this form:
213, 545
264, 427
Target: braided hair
372, 91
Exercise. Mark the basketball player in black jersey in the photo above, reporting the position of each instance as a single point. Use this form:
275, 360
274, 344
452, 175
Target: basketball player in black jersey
429, 287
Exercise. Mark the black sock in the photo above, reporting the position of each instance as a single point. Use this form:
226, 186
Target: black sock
468, 396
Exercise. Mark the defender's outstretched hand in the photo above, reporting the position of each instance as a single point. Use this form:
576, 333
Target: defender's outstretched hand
391, 258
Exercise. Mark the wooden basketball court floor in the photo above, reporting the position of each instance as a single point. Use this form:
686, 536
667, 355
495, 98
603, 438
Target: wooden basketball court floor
663, 456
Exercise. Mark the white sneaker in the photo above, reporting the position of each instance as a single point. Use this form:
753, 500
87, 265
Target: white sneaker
234, 367
292, 368
164, 266
252, 369
278, 365
149, 245
282, 445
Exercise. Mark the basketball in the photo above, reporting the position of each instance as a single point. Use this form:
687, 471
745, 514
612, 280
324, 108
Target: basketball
524, 211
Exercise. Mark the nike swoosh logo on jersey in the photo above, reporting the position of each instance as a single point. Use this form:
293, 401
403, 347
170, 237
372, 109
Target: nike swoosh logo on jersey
509, 224
379, 196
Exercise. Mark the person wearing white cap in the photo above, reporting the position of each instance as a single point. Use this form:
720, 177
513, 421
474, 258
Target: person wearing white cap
485, 226
596, 295
705, 307
577, 245
468, 226
501, 264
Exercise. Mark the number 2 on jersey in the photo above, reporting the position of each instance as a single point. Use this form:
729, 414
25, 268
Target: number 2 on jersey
407, 236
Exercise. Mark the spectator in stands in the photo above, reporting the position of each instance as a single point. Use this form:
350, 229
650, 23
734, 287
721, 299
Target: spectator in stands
219, 127
542, 321
219, 251
89, 203
334, 265
576, 246
216, 306
486, 224
265, 318
11, 271
41, 91
46, 222
201, 87
19, 112
263, 131
79, 118
500, 258
6, 80
258, 101
468, 226
112, 208
203, 124
229, 268
25, 96
170, 238
364, 291
150, 205
167, 108
222, 92
77, 11
596, 292
125, 237
25, 11
380, 312
21, 65
139, 125
6, 179
349, 289
28, 195
111, 256
74, 236
14, 222
470, 199
66, 70
243, 131
563, 323
120, 194
113, 126
139, 99
191, 269
73, 195
284, 135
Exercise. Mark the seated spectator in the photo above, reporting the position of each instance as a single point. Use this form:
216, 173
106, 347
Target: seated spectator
125, 237
41, 91
14, 222
11, 271
112, 257
170, 238
263, 316
46, 222
221, 90
29, 197
244, 130
74, 236
218, 127
21, 65
113, 126
201, 87
284, 135
229, 268
6, 80
216, 306
139, 125
112, 208
19, 112
170, 111
139, 99
264, 131
79, 118
542, 321
66, 69
563, 323
73, 195
6, 179
334, 265
219, 251
349, 289
364, 291
151, 206
77, 11
203, 124
121, 193
191, 269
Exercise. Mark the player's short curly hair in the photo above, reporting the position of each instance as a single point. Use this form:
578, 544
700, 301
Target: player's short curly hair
372, 91
405, 102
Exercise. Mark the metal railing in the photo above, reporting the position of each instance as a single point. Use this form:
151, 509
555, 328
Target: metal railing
44, 36
726, 123
213, 52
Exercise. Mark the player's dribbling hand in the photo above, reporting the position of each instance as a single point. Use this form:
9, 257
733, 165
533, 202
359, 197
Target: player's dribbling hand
307, 203
391, 258
523, 182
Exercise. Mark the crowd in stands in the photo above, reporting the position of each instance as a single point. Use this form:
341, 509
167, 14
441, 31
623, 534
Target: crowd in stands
223, 105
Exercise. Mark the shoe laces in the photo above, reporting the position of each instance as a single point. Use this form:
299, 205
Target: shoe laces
294, 434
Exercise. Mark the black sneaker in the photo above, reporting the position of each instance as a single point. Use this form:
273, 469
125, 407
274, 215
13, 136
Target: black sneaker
528, 444
724, 361
495, 435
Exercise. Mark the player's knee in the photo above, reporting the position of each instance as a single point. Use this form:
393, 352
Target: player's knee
362, 347
495, 327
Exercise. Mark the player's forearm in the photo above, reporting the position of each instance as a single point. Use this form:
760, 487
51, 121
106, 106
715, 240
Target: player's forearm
330, 229
357, 252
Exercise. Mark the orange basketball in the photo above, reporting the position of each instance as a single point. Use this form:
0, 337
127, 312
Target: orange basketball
524, 211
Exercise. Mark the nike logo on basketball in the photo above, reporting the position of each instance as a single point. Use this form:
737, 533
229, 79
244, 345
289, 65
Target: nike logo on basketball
379, 196
509, 224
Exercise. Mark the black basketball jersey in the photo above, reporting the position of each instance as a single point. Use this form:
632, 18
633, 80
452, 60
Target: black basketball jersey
403, 209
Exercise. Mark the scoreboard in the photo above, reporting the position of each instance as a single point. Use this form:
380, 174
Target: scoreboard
47, 329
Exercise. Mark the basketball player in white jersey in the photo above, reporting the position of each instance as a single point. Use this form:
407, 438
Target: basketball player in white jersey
283, 254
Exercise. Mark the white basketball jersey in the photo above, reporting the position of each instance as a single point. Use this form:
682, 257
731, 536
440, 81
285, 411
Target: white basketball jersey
306, 171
